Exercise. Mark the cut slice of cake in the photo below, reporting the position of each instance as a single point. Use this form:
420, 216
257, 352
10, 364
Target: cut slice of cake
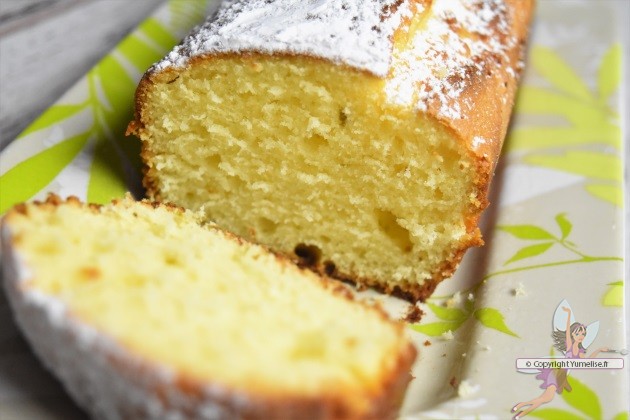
357, 136
143, 312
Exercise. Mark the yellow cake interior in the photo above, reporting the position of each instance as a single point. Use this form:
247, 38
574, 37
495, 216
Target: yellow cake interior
309, 157
187, 297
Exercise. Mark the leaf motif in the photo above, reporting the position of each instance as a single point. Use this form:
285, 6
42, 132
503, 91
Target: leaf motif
139, 53
548, 137
52, 115
609, 73
447, 314
530, 251
583, 399
119, 89
530, 232
621, 416
185, 13
107, 178
614, 294
436, 329
555, 414
564, 224
117, 85
29, 176
153, 29
538, 101
492, 318
589, 164
606, 192
558, 72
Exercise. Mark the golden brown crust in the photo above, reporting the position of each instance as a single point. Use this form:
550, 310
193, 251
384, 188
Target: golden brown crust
492, 92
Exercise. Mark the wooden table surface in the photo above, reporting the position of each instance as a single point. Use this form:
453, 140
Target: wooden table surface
45, 47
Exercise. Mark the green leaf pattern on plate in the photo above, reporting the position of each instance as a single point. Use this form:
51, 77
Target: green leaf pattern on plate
584, 402
609, 74
527, 232
546, 241
624, 415
530, 251
185, 11
589, 164
555, 414
492, 318
558, 73
564, 224
448, 314
583, 399
590, 121
53, 115
28, 177
453, 318
111, 85
606, 192
436, 329
614, 295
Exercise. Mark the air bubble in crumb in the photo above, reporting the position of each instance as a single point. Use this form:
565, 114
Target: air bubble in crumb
466, 389
448, 335
520, 290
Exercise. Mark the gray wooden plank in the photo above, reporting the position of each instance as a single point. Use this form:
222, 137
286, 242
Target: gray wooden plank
12, 8
20, 14
38, 63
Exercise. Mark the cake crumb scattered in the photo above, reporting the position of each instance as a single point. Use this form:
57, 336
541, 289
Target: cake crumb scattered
520, 290
471, 297
414, 314
427, 343
453, 382
487, 348
448, 335
466, 389
454, 300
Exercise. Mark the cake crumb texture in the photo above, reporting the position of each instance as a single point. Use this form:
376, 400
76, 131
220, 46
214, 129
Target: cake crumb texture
364, 151
219, 321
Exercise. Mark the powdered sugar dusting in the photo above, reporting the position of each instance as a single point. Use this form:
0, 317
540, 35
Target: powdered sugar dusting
454, 42
459, 37
357, 33
478, 141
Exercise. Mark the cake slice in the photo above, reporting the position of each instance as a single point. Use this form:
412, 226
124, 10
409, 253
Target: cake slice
357, 136
143, 312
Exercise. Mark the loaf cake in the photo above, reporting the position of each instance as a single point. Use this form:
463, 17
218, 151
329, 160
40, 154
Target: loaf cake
358, 137
143, 312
